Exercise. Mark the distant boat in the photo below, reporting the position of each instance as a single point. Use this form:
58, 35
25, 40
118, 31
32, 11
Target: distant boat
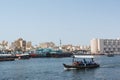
110, 55
82, 64
81, 52
7, 57
49, 53
22, 56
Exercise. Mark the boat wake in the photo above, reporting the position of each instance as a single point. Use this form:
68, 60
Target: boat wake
111, 66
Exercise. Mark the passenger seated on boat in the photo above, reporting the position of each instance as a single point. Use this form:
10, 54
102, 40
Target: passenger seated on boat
92, 62
76, 63
84, 61
81, 62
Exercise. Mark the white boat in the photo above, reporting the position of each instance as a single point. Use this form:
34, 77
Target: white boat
7, 57
22, 56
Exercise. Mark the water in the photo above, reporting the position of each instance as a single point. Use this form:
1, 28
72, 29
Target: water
52, 69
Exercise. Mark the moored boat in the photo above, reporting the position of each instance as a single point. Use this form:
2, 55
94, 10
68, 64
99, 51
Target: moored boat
49, 53
7, 57
22, 56
83, 64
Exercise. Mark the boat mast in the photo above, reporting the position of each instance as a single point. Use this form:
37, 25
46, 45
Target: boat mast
60, 44
73, 58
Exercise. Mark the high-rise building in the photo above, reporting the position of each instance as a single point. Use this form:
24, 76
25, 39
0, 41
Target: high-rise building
19, 45
101, 46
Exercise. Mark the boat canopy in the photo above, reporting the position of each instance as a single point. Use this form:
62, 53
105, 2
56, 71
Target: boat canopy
83, 56
5, 55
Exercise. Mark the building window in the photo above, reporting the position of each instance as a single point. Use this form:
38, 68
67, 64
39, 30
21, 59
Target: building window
109, 49
104, 49
118, 49
118, 43
109, 43
113, 49
114, 43
105, 43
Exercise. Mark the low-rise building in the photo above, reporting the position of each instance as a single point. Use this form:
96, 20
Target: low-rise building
47, 45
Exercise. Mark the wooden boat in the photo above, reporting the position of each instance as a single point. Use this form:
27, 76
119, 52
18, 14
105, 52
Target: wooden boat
7, 57
82, 64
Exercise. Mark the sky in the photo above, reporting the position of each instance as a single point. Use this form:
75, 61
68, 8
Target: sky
73, 22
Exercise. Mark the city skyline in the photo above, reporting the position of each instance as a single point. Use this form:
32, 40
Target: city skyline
72, 22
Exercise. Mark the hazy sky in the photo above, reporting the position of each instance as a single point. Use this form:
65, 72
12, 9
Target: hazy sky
73, 21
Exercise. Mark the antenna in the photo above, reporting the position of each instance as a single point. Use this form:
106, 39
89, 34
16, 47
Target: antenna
60, 43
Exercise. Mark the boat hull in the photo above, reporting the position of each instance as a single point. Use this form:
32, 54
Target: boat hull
7, 59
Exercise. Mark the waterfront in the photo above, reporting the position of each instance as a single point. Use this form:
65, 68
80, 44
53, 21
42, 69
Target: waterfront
52, 69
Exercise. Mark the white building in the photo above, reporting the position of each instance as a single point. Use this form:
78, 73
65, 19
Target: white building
105, 45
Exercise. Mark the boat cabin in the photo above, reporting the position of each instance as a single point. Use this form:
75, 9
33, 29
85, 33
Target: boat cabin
83, 60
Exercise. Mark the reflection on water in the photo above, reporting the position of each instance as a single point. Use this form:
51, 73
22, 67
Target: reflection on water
52, 69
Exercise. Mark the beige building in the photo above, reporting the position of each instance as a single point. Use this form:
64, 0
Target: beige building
101, 46
19, 45
68, 47
29, 45
47, 45
4, 45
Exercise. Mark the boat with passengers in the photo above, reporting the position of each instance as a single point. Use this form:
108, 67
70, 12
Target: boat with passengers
82, 62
